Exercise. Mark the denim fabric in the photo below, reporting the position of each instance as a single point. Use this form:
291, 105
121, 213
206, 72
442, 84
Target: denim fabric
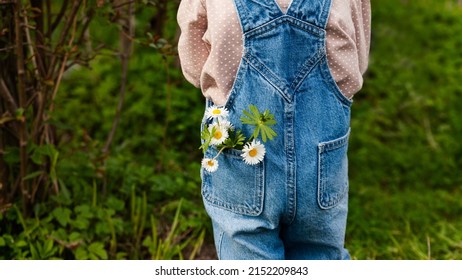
293, 205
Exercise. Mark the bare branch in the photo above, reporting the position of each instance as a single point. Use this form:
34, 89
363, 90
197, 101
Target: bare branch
126, 46
10, 48
67, 27
32, 50
6, 94
121, 5
3, 169
85, 26
69, 245
58, 18
37, 62
81, 62
7, 49
22, 101
48, 5
63, 64
39, 58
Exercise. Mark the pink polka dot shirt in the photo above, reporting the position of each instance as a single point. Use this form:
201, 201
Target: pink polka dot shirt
210, 46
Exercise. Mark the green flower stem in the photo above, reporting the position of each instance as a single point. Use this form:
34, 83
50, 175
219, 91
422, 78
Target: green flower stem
219, 152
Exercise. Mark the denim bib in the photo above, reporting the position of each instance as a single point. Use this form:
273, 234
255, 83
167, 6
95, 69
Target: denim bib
298, 194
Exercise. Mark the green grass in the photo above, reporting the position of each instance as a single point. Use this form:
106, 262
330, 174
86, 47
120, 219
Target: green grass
405, 153
404, 224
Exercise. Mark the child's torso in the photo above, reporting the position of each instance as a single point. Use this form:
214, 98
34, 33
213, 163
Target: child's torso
347, 44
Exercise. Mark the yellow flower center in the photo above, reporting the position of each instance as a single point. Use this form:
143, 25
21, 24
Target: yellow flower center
216, 111
217, 135
210, 163
253, 152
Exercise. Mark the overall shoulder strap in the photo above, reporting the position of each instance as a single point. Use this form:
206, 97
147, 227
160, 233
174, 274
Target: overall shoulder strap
313, 11
253, 13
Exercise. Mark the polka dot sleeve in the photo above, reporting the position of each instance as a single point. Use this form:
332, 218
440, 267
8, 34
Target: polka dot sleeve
210, 45
192, 50
348, 35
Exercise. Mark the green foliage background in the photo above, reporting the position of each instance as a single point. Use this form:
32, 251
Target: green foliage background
405, 154
144, 200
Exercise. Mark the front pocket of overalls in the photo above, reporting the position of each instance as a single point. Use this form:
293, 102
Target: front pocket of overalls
332, 171
235, 186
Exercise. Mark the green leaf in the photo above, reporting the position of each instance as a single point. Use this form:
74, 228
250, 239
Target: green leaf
263, 135
11, 155
75, 236
115, 203
62, 215
34, 252
249, 115
19, 112
32, 175
2, 241
97, 248
270, 122
40, 153
81, 254
256, 132
121, 256
235, 140
206, 136
254, 110
260, 121
84, 210
147, 242
81, 223
267, 132
48, 246
102, 228
21, 243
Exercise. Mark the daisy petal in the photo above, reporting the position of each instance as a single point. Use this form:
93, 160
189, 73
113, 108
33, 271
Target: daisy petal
214, 112
211, 165
219, 134
253, 152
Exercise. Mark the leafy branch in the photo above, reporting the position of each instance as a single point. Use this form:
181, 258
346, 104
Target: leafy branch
206, 136
261, 121
235, 140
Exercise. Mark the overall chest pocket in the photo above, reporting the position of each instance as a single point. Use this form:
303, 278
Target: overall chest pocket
235, 186
332, 171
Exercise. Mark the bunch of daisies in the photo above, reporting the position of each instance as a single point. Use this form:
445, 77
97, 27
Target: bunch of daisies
221, 134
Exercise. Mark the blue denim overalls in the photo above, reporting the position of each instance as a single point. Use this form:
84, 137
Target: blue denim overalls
294, 204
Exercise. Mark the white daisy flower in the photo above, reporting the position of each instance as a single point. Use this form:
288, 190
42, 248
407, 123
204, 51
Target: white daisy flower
253, 152
211, 165
214, 112
226, 125
219, 134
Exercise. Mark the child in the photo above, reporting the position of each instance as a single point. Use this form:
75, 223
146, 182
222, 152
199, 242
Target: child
303, 61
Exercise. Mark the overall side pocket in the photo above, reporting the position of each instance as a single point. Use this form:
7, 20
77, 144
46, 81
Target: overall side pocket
235, 186
332, 171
